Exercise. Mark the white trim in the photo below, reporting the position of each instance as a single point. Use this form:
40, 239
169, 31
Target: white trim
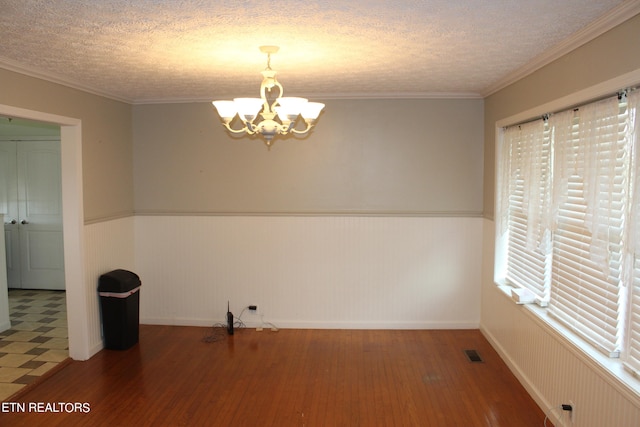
30, 138
625, 11
296, 324
16, 67
608, 87
331, 96
345, 213
73, 223
533, 391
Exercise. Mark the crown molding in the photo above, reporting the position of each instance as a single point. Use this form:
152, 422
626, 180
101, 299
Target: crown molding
613, 18
333, 96
13, 66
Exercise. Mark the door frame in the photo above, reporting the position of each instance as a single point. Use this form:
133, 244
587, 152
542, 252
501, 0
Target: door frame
72, 224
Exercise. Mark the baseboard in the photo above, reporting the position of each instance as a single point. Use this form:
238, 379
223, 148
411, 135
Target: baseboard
297, 324
533, 391
97, 347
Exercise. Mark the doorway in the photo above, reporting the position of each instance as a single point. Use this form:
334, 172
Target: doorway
73, 223
30, 198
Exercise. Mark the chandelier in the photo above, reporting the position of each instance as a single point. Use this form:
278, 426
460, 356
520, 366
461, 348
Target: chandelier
286, 110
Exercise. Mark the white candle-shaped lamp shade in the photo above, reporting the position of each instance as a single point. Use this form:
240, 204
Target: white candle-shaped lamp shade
226, 109
311, 110
248, 108
290, 107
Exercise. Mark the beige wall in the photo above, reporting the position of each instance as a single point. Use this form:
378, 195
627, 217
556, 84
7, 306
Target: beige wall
612, 54
106, 139
364, 156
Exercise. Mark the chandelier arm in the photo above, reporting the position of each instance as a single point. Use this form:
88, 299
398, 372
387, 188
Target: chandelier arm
248, 128
230, 129
301, 132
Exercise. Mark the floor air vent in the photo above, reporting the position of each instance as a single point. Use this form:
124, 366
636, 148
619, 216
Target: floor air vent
473, 356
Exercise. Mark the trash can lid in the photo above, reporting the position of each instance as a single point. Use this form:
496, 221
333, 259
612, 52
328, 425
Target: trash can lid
118, 281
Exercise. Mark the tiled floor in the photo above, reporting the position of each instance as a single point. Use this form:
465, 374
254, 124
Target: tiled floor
37, 340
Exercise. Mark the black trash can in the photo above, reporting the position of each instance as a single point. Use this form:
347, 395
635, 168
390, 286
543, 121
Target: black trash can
119, 292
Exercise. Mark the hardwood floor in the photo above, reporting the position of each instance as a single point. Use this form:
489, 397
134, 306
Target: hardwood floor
176, 377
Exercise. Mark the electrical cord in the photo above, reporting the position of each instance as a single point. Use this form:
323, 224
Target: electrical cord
238, 320
551, 411
241, 313
273, 327
262, 322
219, 330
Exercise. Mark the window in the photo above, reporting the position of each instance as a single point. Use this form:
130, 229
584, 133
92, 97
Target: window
526, 196
569, 215
632, 345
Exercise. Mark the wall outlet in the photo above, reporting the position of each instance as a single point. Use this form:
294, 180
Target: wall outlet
253, 308
572, 414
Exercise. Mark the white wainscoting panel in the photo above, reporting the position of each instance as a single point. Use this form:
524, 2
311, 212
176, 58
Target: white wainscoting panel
108, 246
552, 369
311, 271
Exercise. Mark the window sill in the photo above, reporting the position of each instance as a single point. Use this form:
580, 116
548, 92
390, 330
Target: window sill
612, 370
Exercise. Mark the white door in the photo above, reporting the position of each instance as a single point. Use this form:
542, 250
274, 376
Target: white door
35, 255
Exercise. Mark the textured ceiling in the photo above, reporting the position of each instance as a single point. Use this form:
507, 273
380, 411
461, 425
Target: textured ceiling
155, 50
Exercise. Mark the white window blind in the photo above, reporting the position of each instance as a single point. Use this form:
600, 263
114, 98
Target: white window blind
632, 353
569, 212
591, 174
632, 356
528, 243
